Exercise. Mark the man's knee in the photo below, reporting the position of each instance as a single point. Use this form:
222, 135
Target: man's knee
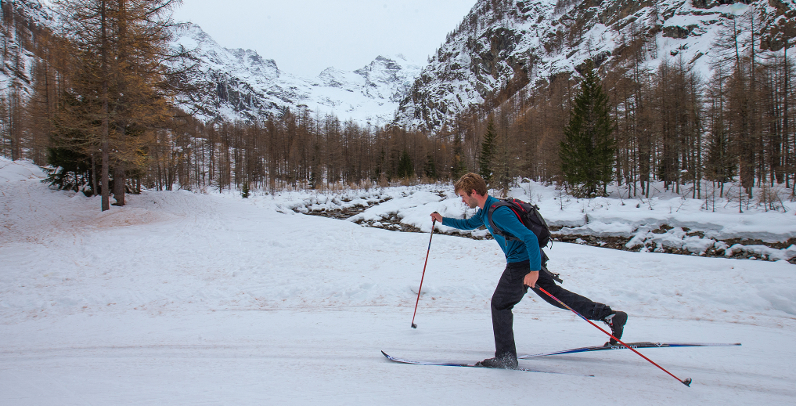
503, 302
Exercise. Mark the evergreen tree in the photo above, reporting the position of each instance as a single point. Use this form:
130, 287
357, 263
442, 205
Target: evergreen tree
405, 166
503, 160
431, 167
245, 192
70, 152
380, 161
487, 152
72, 170
587, 152
458, 168
720, 165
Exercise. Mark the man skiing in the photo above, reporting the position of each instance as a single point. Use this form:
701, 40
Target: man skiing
525, 267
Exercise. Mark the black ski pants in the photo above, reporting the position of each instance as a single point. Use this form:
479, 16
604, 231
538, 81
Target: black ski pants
510, 290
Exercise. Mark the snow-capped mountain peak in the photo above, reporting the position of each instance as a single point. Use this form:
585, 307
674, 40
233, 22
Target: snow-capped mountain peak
239, 84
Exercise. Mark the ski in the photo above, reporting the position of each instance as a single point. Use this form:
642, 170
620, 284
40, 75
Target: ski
637, 345
465, 365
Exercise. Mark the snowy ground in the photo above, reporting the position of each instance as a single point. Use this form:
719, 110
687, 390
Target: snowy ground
191, 299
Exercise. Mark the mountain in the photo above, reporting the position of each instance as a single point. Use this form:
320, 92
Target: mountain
504, 44
20, 18
230, 84
500, 47
238, 84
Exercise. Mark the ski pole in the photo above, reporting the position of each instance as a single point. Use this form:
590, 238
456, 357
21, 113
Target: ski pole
686, 382
433, 222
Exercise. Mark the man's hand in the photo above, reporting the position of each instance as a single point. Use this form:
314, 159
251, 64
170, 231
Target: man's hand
436, 217
530, 279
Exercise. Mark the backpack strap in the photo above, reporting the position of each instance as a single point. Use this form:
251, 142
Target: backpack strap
497, 230
515, 207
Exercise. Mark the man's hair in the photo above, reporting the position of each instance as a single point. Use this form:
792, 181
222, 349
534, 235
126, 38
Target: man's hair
470, 182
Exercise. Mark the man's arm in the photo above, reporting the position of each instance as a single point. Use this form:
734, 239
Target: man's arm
470, 224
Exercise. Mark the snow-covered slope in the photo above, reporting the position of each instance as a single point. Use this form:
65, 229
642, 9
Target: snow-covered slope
524, 40
185, 299
234, 84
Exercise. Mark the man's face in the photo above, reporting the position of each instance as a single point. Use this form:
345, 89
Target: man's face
468, 200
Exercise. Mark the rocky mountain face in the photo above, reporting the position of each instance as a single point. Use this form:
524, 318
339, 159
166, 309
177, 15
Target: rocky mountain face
238, 84
499, 45
19, 19
503, 42
232, 84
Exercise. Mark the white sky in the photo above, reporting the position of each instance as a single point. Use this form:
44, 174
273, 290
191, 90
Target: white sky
306, 36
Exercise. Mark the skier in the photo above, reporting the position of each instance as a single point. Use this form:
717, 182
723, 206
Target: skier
524, 261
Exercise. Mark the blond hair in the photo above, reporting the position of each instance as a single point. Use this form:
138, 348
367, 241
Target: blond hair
469, 182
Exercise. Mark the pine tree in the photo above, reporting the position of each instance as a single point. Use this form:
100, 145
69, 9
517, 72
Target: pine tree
70, 150
244, 192
431, 167
587, 153
503, 160
458, 168
487, 152
405, 167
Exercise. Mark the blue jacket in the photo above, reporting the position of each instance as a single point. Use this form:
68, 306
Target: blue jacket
526, 249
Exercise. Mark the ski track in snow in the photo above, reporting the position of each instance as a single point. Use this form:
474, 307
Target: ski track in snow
187, 299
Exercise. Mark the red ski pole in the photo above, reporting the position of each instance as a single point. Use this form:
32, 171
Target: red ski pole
686, 382
433, 222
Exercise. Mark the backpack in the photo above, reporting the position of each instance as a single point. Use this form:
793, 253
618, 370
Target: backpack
529, 216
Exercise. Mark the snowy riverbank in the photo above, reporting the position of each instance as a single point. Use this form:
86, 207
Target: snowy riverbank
664, 223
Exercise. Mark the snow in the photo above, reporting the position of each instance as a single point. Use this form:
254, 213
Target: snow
183, 298
368, 96
663, 220
451, 84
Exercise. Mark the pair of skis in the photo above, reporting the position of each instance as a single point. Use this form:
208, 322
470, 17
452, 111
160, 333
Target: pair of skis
607, 347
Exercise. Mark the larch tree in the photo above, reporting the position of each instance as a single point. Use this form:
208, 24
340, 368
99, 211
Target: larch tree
119, 80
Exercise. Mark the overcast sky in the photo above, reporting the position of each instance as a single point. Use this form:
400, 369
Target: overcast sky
306, 36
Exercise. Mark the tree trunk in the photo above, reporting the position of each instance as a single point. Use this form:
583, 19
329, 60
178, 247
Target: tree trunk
105, 112
119, 182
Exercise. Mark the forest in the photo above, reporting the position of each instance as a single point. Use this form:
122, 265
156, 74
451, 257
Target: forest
100, 113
